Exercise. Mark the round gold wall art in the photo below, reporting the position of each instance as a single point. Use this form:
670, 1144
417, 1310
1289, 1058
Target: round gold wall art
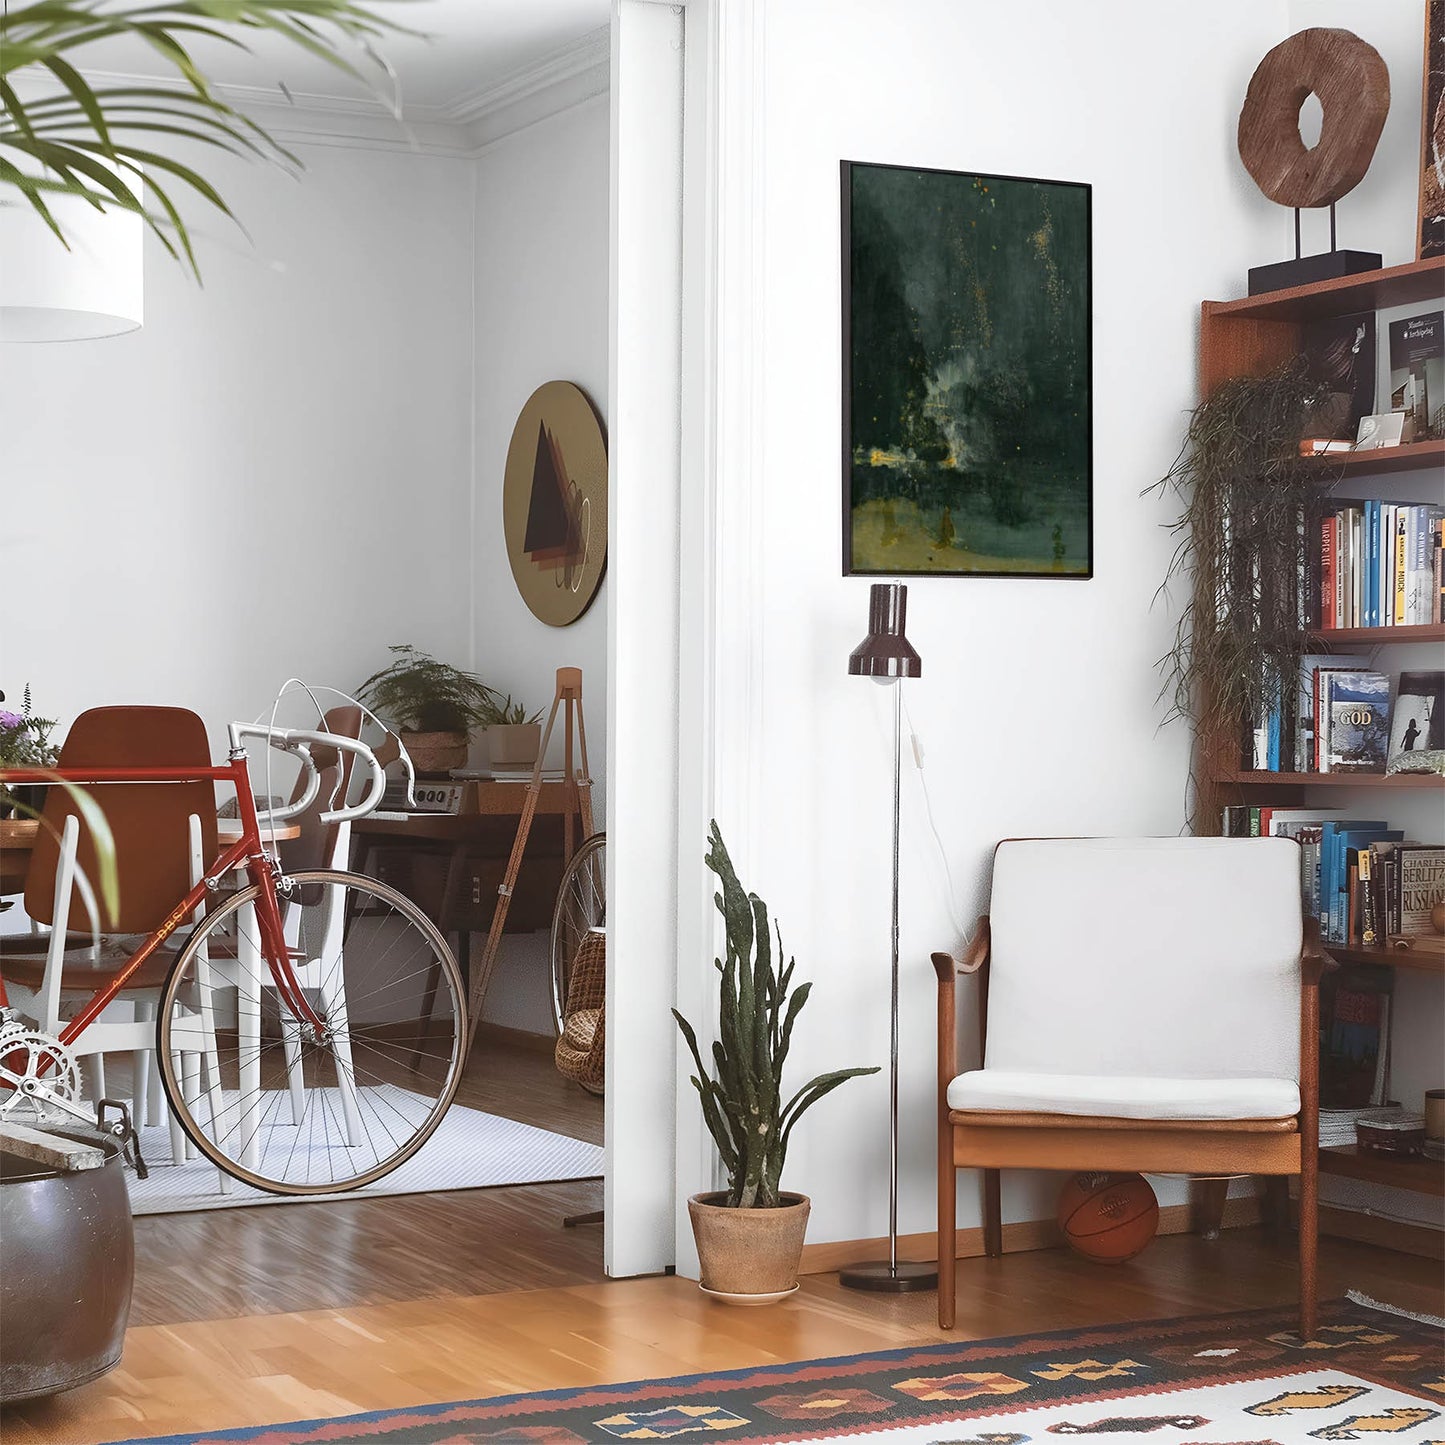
554, 503
1353, 87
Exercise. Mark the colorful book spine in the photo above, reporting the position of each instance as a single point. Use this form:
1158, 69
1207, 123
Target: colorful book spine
1398, 604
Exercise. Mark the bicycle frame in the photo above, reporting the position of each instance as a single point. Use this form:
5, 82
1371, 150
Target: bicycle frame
248, 850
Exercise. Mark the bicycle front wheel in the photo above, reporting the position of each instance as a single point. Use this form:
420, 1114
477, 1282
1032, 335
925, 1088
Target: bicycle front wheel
280, 1104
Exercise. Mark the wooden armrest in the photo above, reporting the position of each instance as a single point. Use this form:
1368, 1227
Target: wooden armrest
974, 958
1313, 961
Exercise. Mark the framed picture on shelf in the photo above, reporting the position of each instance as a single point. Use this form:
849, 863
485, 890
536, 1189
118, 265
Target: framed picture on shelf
967, 386
1432, 137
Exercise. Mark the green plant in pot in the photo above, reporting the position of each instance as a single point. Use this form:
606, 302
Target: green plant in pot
750, 1236
514, 737
434, 704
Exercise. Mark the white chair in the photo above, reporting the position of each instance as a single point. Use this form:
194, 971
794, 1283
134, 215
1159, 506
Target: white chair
162, 834
1144, 1004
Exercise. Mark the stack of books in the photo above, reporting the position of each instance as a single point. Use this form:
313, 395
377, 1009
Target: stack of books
1378, 565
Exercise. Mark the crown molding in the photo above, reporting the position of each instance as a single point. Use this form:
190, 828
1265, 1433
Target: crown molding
566, 78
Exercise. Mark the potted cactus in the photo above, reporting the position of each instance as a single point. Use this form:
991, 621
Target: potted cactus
750, 1236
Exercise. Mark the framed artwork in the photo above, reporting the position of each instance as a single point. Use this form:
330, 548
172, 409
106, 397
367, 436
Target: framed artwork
554, 503
967, 390
1432, 134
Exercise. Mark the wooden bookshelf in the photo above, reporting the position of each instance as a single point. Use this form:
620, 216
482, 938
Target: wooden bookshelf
1378, 636
1399, 1171
1247, 779
1416, 281
1409, 457
1422, 961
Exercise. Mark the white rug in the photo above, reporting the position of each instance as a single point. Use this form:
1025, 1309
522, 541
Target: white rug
470, 1150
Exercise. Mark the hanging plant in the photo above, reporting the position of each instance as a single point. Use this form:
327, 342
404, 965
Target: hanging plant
1242, 545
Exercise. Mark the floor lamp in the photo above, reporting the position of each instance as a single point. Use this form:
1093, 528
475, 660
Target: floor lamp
886, 656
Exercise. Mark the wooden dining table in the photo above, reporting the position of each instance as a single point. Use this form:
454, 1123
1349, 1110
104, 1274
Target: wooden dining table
18, 835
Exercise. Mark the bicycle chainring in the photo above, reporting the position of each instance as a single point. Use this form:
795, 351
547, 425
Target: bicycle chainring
28, 1054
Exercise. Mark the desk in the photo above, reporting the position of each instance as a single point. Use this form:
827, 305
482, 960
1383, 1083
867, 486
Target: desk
18, 835
451, 864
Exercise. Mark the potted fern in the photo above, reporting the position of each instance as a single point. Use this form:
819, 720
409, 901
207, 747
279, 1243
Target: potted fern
750, 1235
434, 704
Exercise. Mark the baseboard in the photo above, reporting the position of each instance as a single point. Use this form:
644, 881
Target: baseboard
1022, 1235
1387, 1233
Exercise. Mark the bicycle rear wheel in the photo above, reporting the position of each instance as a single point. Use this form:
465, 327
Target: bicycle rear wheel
276, 1103
581, 905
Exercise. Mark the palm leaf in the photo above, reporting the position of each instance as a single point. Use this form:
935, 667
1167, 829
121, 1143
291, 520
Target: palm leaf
66, 135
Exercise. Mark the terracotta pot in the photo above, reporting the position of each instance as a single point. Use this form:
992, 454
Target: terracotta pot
434, 755
747, 1252
513, 745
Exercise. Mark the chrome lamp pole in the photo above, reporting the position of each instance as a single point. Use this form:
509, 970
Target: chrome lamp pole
887, 657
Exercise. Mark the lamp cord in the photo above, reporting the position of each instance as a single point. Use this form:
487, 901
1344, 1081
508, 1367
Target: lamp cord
955, 914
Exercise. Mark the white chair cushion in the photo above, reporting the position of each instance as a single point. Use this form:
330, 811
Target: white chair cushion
1148, 957
1114, 1097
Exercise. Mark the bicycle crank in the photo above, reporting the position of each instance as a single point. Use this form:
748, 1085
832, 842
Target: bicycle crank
37, 1074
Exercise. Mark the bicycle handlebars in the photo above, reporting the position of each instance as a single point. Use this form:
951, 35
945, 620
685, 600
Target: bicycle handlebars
300, 741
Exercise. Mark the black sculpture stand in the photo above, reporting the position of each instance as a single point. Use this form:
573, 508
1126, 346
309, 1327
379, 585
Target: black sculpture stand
1306, 270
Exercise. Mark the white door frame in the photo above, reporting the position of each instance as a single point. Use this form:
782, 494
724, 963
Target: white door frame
685, 594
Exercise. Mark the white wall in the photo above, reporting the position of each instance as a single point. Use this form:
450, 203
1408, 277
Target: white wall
302, 422
541, 282
1037, 707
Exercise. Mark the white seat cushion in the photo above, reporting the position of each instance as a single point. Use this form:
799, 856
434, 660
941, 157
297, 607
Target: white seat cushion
1118, 1097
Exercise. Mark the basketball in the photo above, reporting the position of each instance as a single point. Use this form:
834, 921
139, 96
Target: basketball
1108, 1217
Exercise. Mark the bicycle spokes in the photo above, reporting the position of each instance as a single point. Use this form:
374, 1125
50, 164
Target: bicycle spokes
333, 1080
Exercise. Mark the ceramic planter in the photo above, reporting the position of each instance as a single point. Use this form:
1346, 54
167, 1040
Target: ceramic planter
69, 1262
434, 755
748, 1256
513, 745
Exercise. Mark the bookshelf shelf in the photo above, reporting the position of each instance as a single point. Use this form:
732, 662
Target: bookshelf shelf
1378, 636
1421, 962
1417, 281
1329, 780
1412, 456
1414, 1172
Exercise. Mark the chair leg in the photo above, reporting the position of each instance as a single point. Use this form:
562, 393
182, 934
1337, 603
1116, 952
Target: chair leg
992, 1214
1207, 1196
1308, 1245
947, 1226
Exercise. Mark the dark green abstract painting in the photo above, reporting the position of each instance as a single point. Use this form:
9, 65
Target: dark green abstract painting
966, 374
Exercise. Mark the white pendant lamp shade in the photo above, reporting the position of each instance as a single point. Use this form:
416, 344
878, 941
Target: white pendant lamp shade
48, 293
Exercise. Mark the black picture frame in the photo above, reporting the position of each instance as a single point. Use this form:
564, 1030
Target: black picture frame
965, 404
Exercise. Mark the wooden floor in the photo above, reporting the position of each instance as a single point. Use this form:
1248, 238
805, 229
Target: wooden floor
256, 1316
225, 1263
266, 1369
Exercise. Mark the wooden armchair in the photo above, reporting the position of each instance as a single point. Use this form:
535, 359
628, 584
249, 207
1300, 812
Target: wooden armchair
1146, 1004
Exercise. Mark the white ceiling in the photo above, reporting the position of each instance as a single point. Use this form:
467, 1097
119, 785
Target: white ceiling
470, 47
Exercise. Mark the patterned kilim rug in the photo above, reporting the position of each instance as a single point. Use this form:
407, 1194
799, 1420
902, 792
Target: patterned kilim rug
1237, 1379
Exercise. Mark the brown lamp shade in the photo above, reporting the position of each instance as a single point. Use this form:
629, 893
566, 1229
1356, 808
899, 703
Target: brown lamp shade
886, 652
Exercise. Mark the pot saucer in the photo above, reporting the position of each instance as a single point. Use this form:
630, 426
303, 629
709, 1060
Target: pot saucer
722, 1296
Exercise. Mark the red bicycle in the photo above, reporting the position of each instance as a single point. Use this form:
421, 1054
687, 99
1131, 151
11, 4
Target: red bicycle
311, 1029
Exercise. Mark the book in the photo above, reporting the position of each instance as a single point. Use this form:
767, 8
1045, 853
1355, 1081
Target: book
1397, 605
1420, 885
1355, 712
1417, 369
1420, 589
1417, 720
1340, 354
1305, 758
1355, 1038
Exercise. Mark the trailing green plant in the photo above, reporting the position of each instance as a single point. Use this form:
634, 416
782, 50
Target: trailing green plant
98, 142
742, 1102
417, 692
503, 712
1242, 540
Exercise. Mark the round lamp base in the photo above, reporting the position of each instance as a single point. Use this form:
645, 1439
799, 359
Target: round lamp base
882, 1278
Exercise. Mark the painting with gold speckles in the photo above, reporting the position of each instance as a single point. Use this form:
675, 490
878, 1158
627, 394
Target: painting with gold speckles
967, 395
